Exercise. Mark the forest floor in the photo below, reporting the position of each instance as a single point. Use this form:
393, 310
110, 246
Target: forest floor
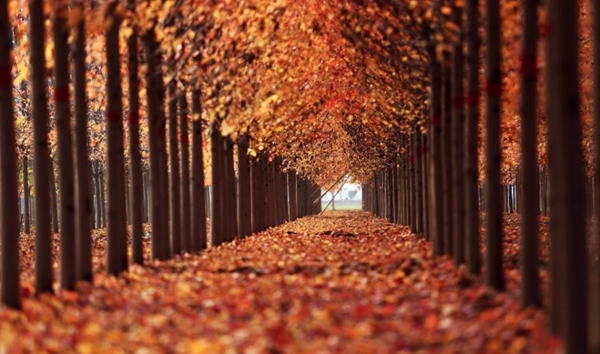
341, 282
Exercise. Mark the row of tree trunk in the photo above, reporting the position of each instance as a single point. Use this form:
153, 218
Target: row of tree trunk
89, 194
433, 187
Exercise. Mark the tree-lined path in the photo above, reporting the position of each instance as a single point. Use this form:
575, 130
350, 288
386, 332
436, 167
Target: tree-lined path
340, 282
148, 141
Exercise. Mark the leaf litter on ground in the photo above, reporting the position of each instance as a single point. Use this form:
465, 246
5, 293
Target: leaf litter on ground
336, 283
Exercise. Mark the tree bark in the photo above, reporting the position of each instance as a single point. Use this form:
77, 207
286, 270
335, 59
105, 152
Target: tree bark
53, 196
494, 275
418, 181
447, 161
186, 222
65, 150
198, 236
97, 186
116, 232
256, 177
230, 225
243, 190
457, 137
530, 293
83, 197
26, 195
293, 190
155, 130
9, 202
174, 182
136, 200
568, 232
435, 178
218, 186
42, 163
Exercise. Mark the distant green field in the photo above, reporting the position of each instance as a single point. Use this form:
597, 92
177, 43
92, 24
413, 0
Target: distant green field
344, 205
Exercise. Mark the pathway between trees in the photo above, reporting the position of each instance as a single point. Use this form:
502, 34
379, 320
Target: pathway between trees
341, 282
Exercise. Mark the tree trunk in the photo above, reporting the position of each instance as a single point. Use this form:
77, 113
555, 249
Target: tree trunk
447, 161
174, 182
568, 232
98, 186
293, 201
136, 199
418, 182
83, 202
435, 171
91, 193
9, 205
494, 276
116, 257
186, 222
155, 130
65, 151
42, 163
198, 236
26, 195
256, 177
244, 202
269, 194
530, 292
218, 186
457, 137
53, 196
425, 180
230, 216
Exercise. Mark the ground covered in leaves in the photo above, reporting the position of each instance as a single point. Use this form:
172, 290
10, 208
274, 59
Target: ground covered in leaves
341, 282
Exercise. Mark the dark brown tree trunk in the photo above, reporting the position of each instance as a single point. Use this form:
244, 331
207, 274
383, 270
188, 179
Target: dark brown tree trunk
256, 177
198, 236
473, 255
174, 183
568, 231
425, 181
42, 163
230, 225
494, 276
218, 186
9, 204
401, 195
596, 185
269, 195
293, 201
243, 190
65, 150
116, 256
53, 196
26, 195
166, 251
274, 194
136, 200
418, 181
103, 195
301, 197
457, 137
83, 197
530, 293
435, 179
98, 186
91, 192
411, 180
155, 135
447, 161
186, 221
